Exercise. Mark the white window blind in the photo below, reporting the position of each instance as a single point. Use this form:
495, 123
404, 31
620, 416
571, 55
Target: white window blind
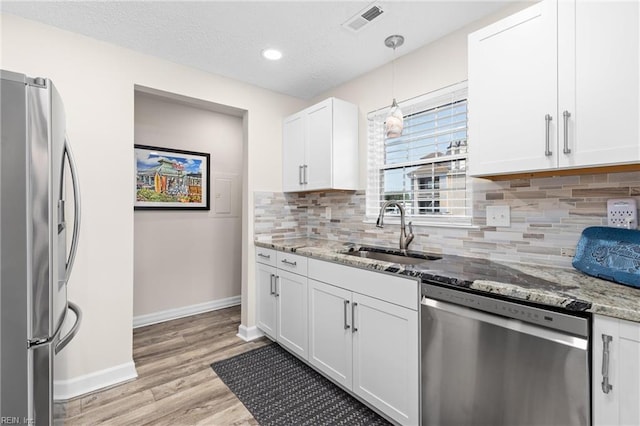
424, 168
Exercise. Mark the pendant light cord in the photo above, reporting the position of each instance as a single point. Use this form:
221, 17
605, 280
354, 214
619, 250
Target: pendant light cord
393, 77
394, 41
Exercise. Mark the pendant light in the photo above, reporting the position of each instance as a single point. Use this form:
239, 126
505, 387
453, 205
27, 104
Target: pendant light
394, 122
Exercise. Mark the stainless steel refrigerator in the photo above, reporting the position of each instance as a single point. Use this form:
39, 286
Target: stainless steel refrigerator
36, 172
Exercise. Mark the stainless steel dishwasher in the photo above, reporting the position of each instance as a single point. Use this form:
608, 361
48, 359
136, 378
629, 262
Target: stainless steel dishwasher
488, 361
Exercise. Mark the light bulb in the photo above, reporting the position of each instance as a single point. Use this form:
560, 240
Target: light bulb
394, 122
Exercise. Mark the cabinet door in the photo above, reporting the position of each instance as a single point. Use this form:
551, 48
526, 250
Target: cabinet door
512, 87
291, 293
330, 349
618, 406
319, 146
386, 370
266, 300
293, 142
599, 75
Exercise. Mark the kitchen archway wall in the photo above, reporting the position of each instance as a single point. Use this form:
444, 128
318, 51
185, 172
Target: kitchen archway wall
187, 262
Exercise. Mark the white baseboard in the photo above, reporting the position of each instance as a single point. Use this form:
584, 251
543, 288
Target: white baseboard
184, 311
249, 333
67, 389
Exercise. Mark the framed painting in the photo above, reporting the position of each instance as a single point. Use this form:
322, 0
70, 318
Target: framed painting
171, 179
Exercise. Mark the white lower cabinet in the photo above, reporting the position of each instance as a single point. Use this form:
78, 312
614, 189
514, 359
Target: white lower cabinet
368, 346
292, 312
367, 343
282, 299
330, 340
267, 306
616, 372
385, 357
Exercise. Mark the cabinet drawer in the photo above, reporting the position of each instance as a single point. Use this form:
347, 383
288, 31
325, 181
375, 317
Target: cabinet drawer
292, 262
266, 256
397, 290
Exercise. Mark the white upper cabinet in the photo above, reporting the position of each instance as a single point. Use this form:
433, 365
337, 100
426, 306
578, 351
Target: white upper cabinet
599, 82
293, 136
512, 87
555, 86
320, 148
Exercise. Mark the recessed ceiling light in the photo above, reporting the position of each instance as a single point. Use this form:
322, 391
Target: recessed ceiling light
272, 54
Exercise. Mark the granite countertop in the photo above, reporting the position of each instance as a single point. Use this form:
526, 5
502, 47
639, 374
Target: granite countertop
560, 287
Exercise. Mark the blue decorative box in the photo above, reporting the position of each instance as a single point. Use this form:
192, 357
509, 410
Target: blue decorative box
612, 254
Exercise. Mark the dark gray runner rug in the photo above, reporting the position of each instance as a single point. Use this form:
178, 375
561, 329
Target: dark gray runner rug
278, 389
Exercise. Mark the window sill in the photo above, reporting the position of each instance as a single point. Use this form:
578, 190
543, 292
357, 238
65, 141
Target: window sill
423, 223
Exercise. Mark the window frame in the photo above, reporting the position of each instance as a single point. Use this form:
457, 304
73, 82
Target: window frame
376, 164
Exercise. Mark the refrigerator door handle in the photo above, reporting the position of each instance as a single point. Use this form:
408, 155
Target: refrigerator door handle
72, 333
76, 210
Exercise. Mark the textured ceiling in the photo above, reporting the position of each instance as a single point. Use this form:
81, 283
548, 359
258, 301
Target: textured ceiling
227, 37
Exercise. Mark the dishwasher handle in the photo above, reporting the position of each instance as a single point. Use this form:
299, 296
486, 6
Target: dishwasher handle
511, 324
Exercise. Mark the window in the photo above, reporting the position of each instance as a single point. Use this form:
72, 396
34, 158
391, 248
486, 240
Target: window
425, 168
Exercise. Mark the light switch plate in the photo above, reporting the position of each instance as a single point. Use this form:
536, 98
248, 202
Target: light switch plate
498, 216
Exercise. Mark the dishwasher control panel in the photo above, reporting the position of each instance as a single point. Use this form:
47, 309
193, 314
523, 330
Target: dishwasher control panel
565, 322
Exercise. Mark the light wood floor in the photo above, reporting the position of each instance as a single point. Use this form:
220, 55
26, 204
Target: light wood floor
175, 384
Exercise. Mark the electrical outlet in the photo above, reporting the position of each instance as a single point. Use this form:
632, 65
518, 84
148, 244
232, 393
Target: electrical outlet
498, 216
622, 213
327, 212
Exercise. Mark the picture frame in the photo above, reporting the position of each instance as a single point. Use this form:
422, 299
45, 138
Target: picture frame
171, 179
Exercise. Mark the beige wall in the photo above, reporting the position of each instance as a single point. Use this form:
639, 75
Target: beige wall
189, 257
96, 81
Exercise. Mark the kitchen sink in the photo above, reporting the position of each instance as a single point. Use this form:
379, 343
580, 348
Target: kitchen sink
409, 258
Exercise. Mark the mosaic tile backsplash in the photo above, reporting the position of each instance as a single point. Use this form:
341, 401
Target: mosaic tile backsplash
547, 218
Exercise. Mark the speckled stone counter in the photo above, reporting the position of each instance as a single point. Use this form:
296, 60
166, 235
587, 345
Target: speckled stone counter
566, 288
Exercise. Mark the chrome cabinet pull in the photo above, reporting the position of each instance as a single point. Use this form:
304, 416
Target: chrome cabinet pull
547, 148
353, 316
288, 262
306, 179
606, 386
346, 307
300, 179
266, 256
271, 285
565, 116
277, 279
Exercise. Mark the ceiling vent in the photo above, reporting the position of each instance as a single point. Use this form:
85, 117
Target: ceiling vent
363, 18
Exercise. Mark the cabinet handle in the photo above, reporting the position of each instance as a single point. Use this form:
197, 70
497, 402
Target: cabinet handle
306, 179
547, 121
288, 262
276, 280
271, 280
300, 181
353, 316
606, 386
565, 116
266, 256
346, 307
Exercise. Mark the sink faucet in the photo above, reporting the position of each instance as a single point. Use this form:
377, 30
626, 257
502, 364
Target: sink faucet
405, 239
